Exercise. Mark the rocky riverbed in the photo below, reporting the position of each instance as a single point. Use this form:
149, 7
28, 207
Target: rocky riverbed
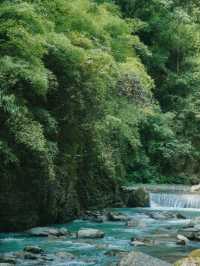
103, 238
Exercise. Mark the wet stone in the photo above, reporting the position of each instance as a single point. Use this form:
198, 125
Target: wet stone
141, 259
34, 249
8, 258
182, 240
116, 253
90, 233
116, 217
65, 255
46, 231
30, 256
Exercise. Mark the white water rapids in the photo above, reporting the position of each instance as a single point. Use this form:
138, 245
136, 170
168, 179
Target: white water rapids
178, 200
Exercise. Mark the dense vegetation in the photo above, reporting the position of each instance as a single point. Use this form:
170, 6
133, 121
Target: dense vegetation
94, 94
170, 138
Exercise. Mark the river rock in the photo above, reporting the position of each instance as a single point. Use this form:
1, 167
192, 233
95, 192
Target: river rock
195, 188
166, 215
116, 217
30, 256
195, 222
193, 259
52, 237
90, 233
182, 240
158, 216
141, 259
65, 255
180, 216
116, 253
196, 236
32, 253
195, 253
142, 242
46, 257
197, 227
138, 243
95, 216
191, 233
8, 258
101, 246
188, 262
63, 232
46, 231
136, 222
138, 198
33, 249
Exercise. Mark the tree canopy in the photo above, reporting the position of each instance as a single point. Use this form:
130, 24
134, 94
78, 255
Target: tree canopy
94, 94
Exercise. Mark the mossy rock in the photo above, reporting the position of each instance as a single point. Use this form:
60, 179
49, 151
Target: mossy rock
138, 198
188, 262
195, 253
193, 259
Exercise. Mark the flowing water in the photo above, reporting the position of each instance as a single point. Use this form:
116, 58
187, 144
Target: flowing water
173, 200
161, 233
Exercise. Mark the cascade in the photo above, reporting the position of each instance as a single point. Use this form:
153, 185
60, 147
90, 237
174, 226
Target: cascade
177, 200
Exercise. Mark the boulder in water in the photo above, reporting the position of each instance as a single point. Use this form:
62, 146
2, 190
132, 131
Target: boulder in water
30, 256
195, 222
90, 233
116, 253
141, 259
195, 188
159, 215
95, 216
142, 242
192, 233
138, 198
182, 240
33, 253
166, 215
116, 217
65, 255
138, 243
136, 223
63, 232
33, 249
8, 258
188, 234
46, 231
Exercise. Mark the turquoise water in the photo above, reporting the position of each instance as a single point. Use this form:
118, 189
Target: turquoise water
117, 237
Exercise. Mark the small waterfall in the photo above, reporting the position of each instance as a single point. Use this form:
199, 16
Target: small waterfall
175, 200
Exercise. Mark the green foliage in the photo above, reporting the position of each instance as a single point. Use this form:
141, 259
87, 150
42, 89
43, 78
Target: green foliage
170, 31
91, 97
70, 85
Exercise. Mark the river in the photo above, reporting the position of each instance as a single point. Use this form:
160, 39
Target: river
159, 233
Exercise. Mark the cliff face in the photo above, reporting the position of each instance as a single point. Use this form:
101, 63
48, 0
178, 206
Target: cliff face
36, 190
21, 210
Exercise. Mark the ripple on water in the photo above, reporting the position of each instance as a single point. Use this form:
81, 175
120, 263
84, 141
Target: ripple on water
12, 239
73, 263
90, 252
